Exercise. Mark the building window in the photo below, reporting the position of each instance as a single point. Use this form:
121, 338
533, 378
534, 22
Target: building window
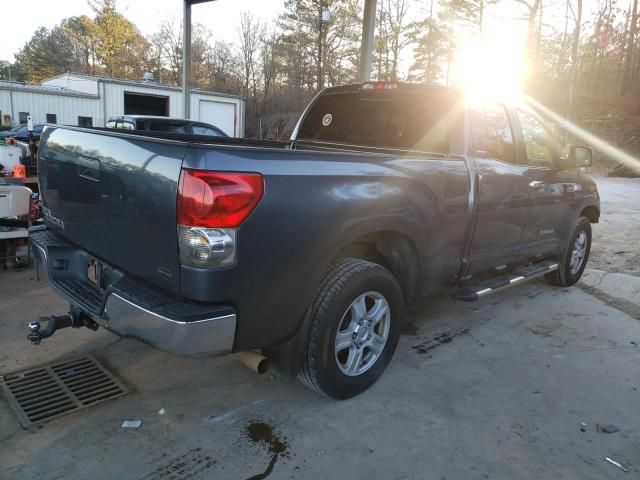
51, 118
23, 117
85, 122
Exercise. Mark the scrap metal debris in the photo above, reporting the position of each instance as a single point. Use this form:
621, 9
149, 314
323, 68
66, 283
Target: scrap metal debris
616, 464
131, 424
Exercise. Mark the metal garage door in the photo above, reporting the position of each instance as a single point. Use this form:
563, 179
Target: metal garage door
220, 114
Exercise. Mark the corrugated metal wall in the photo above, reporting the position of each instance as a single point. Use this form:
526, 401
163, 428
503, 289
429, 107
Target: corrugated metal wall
74, 82
109, 102
66, 108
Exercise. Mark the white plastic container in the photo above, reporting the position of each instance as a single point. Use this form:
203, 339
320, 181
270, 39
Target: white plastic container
10, 155
14, 200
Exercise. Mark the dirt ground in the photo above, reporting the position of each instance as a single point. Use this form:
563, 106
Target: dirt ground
516, 386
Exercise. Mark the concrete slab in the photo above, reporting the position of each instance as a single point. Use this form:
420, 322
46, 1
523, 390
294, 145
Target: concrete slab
619, 289
617, 285
504, 400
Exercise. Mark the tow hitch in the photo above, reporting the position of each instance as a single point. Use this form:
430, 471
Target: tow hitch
74, 319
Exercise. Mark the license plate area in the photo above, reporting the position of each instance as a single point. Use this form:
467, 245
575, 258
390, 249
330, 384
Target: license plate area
94, 272
100, 275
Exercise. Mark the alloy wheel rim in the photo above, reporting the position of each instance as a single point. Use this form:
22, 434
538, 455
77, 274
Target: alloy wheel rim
362, 333
579, 252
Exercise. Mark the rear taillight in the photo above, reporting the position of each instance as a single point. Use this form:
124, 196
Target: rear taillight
217, 200
379, 86
211, 205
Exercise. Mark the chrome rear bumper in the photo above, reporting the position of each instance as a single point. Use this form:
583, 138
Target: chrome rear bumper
207, 336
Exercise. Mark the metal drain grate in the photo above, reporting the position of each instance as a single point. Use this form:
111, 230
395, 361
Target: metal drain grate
49, 391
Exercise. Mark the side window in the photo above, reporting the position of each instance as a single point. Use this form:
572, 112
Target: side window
125, 125
167, 127
492, 134
177, 128
539, 142
200, 130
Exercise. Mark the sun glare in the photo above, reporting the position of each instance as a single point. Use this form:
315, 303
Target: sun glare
492, 68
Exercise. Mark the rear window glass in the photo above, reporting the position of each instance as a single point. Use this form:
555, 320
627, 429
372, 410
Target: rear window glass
120, 124
408, 121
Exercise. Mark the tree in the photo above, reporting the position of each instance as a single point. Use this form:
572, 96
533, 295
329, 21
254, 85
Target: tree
300, 26
40, 58
575, 60
431, 41
119, 47
392, 37
250, 31
631, 47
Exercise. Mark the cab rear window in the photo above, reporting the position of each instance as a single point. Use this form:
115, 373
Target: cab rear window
120, 124
419, 121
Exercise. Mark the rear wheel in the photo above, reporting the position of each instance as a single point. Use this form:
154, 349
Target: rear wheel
573, 259
354, 329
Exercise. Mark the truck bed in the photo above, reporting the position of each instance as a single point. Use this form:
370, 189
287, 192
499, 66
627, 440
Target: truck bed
113, 195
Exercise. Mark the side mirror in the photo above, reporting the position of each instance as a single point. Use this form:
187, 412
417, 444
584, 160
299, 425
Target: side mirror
580, 156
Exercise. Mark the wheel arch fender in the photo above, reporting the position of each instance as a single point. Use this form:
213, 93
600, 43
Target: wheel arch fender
396, 246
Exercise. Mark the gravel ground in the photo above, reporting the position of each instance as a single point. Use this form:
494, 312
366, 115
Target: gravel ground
616, 239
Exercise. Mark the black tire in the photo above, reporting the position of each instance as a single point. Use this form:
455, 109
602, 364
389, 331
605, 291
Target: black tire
347, 280
563, 276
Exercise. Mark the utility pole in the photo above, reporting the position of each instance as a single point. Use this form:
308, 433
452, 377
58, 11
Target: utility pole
186, 59
320, 82
324, 15
186, 55
366, 46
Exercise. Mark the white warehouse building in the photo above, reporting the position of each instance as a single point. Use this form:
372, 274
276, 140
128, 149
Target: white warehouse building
86, 100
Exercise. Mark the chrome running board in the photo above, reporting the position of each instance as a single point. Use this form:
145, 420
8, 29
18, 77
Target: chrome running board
516, 277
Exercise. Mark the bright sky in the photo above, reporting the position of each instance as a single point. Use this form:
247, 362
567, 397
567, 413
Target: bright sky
221, 16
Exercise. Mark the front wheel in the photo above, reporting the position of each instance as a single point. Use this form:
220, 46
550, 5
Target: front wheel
354, 329
574, 256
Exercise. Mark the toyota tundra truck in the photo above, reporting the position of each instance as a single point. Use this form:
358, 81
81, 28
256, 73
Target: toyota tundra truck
308, 251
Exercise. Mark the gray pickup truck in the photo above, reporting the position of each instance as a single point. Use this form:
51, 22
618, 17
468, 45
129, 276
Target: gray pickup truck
308, 251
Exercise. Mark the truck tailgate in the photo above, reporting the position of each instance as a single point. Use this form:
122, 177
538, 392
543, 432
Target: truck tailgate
115, 196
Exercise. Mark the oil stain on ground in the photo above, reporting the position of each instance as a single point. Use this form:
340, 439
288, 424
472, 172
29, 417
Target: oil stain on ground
262, 434
183, 467
440, 338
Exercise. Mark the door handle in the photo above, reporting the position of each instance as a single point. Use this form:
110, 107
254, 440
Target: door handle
536, 185
478, 184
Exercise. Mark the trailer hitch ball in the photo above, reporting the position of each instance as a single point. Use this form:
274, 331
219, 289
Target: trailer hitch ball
34, 333
75, 319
